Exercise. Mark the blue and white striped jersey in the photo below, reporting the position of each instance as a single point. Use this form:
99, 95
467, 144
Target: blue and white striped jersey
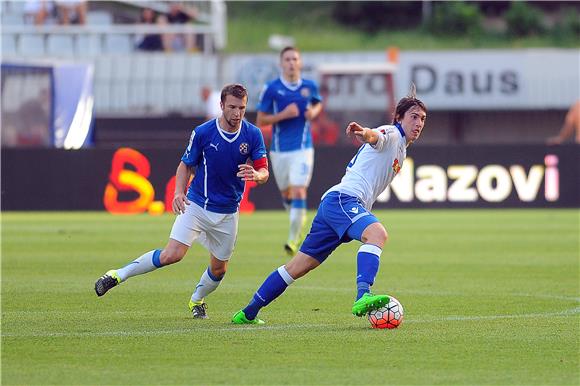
216, 154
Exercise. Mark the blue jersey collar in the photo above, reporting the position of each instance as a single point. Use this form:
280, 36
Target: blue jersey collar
398, 126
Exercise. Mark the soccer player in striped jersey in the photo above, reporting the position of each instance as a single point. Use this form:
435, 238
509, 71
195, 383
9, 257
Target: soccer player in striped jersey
345, 214
289, 103
217, 156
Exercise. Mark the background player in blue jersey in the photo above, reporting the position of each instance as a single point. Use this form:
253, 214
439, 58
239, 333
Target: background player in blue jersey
217, 156
289, 103
344, 212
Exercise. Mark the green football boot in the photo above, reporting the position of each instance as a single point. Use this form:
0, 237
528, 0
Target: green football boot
369, 302
106, 282
240, 318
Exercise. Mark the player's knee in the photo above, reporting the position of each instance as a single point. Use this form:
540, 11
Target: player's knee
384, 237
377, 236
218, 267
298, 193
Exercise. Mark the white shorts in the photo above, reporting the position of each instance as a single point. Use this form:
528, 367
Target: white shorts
217, 232
292, 168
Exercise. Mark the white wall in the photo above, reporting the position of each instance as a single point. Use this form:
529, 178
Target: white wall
480, 80
445, 80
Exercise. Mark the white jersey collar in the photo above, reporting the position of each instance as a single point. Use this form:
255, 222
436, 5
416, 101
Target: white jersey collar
224, 134
291, 86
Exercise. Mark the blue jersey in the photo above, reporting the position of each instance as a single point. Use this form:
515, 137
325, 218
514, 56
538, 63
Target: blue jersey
216, 154
289, 134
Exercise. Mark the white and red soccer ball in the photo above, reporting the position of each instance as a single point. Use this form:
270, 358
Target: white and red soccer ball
389, 316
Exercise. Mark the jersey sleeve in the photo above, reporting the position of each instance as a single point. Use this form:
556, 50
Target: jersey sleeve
266, 101
383, 138
316, 97
192, 153
259, 148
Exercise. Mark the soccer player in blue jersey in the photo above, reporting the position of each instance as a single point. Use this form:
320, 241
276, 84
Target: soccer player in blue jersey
344, 212
289, 103
217, 156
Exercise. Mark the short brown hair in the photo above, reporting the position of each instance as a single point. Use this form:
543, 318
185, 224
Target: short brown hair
288, 48
234, 89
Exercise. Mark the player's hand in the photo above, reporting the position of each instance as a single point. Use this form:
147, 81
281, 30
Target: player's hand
363, 134
247, 172
354, 130
291, 111
179, 202
309, 114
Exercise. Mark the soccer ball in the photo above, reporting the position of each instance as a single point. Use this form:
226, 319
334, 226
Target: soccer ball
389, 316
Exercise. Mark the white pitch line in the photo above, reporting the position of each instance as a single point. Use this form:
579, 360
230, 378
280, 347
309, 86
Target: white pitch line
245, 329
546, 296
179, 331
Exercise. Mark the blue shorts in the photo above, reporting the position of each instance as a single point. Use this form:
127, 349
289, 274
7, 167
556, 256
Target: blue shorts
340, 219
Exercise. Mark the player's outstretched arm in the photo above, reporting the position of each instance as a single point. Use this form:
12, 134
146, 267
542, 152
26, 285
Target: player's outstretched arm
363, 134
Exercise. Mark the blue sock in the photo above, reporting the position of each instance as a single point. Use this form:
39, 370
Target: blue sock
298, 203
367, 266
273, 286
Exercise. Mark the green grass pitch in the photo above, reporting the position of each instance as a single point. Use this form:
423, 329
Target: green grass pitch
490, 297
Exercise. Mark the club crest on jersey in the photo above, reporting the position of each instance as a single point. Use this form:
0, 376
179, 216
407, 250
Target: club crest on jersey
396, 166
305, 92
244, 148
